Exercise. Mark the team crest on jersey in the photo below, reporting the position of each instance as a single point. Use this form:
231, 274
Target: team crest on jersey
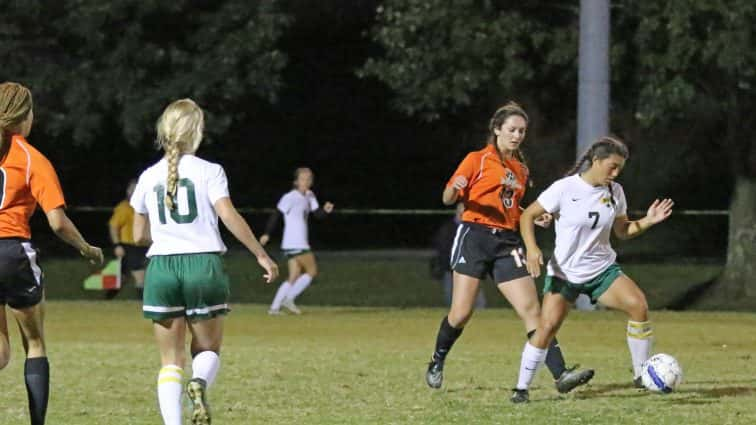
509, 184
607, 200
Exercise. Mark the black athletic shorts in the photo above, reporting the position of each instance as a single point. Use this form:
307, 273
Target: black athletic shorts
480, 250
135, 258
20, 275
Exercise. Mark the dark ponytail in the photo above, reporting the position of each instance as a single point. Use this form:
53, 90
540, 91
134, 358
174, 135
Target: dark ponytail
600, 149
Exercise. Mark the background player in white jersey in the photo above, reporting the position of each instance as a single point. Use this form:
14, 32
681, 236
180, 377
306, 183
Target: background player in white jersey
177, 203
587, 205
296, 207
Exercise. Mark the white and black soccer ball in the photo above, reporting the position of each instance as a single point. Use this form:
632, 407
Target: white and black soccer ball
661, 373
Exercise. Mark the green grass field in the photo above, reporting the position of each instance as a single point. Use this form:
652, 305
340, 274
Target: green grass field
365, 365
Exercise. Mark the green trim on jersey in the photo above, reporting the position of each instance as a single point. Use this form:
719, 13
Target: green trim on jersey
192, 285
593, 288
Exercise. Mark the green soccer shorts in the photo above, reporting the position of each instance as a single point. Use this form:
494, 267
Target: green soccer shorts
594, 288
192, 285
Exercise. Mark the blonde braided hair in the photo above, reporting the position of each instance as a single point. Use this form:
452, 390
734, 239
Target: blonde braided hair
15, 106
179, 131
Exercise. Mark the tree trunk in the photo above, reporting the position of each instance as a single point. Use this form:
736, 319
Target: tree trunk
739, 275
736, 286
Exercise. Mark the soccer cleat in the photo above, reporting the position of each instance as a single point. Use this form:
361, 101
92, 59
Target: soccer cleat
195, 390
519, 396
572, 378
289, 305
434, 377
272, 312
638, 382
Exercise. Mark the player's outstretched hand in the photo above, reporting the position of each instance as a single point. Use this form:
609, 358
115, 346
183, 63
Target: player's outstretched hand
271, 268
534, 262
93, 253
659, 210
264, 239
328, 207
544, 220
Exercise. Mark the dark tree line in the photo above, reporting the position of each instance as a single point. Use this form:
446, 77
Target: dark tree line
380, 84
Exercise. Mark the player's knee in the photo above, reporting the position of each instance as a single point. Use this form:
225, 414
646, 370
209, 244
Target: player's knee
548, 329
458, 318
530, 311
637, 307
313, 272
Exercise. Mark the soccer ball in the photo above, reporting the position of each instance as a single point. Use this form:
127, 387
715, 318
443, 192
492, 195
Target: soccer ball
661, 373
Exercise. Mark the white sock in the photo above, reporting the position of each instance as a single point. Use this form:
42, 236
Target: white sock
283, 289
299, 286
205, 366
169, 390
532, 359
640, 337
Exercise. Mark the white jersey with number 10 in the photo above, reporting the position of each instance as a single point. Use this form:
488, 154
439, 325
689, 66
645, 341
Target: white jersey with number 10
584, 216
192, 227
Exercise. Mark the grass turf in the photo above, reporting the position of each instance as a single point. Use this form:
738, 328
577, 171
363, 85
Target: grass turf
339, 365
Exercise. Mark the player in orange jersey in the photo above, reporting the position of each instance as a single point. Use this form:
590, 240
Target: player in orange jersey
27, 179
491, 183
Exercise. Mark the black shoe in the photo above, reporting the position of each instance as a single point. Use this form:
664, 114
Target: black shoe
434, 377
572, 378
520, 396
638, 383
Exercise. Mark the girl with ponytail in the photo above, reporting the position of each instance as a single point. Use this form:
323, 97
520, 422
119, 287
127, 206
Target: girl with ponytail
177, 203
491, 183
589, 206
28, 180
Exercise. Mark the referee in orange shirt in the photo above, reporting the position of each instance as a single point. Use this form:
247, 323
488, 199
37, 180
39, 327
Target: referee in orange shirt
491, 183
27, 179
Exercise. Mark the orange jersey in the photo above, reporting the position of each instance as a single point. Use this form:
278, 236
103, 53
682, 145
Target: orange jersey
494, 188
28, 179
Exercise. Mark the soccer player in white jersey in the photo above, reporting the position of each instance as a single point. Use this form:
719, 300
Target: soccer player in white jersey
177, 202
588, 205
296, 207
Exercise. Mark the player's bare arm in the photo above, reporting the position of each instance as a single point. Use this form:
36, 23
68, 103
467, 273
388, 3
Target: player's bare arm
236, 224
67, 231
141, 230
451, 193
534, 259
657, 212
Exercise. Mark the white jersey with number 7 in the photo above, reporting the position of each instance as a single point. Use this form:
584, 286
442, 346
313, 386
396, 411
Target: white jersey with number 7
192, 227
584, 216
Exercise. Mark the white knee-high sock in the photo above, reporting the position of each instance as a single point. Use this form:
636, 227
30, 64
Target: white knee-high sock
170, 388
205, 366
283, 289
640, 337
299, 286
532, 359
